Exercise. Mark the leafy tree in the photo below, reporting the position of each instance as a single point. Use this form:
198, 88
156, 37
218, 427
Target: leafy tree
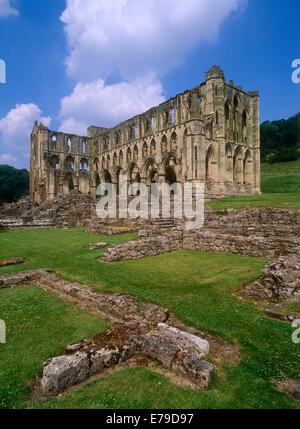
280, 140
13, 183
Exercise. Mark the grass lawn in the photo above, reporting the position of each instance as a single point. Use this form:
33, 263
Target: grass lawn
198, 287
280, 186
39, 326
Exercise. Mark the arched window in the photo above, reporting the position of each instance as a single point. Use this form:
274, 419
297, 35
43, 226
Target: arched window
152, 124
128, 155
69, 145
164, 144
236, 118
54, 161
238, 165
83, 165
53, 141
244, 125
145, 150
228, 163
173, 141
248, 168
153, 146
135, 153
211, 165
96, 164
115, 160
83, 146
121, 158
69, 163
227, 122
173, 116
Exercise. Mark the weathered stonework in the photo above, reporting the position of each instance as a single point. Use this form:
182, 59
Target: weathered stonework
267, 233
279, 279
209, 134
137, 329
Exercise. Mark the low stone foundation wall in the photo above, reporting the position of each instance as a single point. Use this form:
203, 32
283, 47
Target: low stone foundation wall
137, 329
279, 279
252, 245
144, 247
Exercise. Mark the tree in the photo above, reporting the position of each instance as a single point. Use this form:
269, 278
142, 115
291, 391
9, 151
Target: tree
280, 140
13, 183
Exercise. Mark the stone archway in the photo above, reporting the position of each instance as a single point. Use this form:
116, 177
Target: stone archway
68, 183
210, 165
248, 168
238, 166
228, 163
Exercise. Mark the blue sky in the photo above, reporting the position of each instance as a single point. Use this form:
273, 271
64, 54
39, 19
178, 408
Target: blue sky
75, 63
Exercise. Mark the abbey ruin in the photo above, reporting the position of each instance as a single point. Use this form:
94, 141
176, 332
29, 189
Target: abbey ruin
209, 134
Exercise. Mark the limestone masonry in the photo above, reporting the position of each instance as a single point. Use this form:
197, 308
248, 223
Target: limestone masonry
209, 134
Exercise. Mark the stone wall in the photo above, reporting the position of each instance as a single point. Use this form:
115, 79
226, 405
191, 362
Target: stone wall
267, 233
144, 247
209, 134
71, 210
251, 245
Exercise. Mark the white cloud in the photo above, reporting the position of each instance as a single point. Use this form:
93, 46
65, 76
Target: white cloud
7, 158
132, 37
107, 105
6, 9
16, 126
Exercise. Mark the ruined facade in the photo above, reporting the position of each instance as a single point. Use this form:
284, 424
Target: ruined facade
209, 134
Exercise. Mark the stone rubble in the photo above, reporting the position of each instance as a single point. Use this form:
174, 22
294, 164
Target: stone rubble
279, 279
96, 246
14, 261
137, 328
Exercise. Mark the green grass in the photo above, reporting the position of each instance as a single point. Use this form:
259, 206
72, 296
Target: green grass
39, 326
280, 186
198, 288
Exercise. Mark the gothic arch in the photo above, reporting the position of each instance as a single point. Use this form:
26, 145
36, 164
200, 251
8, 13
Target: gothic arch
152, 147
244, 125
107, 176
83, 164
145, 150
68, 183
211, 164
96, 164
134, 173
238, 165
69, 163
174, 141
128, 155
121, 158
228, 163
115, 159
164, 144
248, 168
54, 161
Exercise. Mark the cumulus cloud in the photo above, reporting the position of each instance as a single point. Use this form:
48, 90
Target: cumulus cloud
7, 158
129, 39
132, 37
6, 9
16, 126
91, 102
